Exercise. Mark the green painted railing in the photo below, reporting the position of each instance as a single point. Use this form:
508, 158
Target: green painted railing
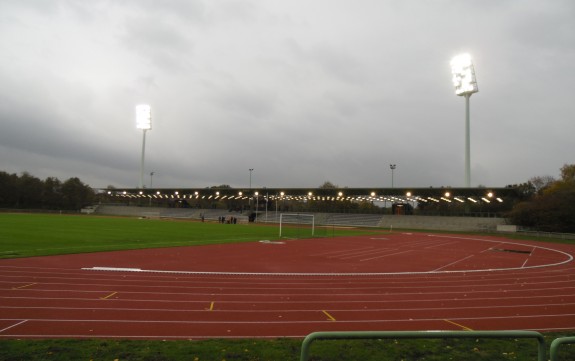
554, 349
306, 344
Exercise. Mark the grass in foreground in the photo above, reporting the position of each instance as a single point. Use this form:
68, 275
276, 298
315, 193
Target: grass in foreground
278, 350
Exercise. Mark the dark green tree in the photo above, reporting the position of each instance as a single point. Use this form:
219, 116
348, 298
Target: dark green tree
52, 193
76, 194
29, 191
9, 189
552, 209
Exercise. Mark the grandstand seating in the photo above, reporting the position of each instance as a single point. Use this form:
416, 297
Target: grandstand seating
331, 219
358, 220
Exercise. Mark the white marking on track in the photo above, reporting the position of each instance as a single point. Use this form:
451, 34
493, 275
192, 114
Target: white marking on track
452, 263
9, 327
385, 255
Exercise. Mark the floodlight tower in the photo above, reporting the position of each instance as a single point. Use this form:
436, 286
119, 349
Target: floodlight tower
144, 122
465, 84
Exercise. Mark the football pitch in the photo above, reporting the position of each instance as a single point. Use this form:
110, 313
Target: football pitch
29, 235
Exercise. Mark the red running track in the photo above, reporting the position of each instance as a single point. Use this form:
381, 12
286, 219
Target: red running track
396, 281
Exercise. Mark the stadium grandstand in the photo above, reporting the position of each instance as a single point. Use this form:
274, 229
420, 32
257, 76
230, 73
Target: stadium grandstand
476, 209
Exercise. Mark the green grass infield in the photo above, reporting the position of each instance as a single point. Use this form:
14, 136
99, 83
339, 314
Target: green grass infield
28, 235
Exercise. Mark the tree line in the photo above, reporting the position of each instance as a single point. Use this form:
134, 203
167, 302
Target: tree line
25, 191
549, 203
546, 203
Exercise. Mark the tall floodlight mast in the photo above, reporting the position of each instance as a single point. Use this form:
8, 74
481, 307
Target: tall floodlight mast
144, 122
465, 84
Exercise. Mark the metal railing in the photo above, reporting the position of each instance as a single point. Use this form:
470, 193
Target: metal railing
554, 349
306, 344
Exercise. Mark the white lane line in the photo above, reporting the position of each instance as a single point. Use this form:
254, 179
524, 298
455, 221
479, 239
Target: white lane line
452, 263
373, 251
163, 337
385, 255
344, 251
491, 248
524, 263
267, 294
202, 301
440, 245
9, 327
569, 256
243, 311
202, 337
283, 322
528, 257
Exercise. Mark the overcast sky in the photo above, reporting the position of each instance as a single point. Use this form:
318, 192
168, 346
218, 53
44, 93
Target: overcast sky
303, 92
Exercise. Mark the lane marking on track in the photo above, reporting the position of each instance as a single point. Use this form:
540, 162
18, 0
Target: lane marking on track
298, 310
108, 296
524, 263
200, 337
9, 327
452, 263
28, 285
458, 325
329, 317
528, 257
385, 255
369, 292
343, 252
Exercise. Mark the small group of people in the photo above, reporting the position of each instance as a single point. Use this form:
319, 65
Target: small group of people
231, 220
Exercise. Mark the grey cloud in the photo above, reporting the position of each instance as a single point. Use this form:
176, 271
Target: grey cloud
158, 42
304, 93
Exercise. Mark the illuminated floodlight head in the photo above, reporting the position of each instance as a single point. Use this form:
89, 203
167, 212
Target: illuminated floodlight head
463, 75
143, 117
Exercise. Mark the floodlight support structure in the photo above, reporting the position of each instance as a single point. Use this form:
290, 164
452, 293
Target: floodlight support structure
467, 142
465, 84
142, 159
144, 122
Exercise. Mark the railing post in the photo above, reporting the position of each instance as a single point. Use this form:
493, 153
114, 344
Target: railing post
554, 349
306, 344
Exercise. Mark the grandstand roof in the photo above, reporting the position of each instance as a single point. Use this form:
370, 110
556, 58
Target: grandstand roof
443, 194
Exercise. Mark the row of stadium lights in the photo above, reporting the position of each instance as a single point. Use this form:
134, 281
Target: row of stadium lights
447, 197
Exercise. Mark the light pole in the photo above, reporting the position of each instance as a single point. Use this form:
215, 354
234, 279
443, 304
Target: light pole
392, 167
144, 122
250, 199
267, 200
151, 184
465, 84
257, 206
